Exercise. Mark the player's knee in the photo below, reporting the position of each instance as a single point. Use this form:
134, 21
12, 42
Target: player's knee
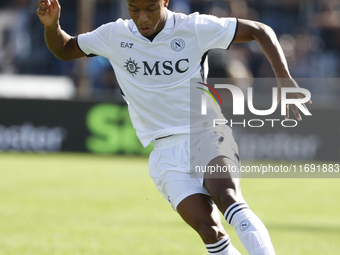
228, 196
210, 233
224, 197
222, 194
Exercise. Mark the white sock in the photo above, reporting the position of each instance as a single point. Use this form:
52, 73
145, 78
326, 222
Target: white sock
250, 229
222, 247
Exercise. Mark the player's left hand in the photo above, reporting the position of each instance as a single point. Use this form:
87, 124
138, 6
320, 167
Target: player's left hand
290, 83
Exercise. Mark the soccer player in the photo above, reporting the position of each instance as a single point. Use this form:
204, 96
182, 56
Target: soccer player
154, 55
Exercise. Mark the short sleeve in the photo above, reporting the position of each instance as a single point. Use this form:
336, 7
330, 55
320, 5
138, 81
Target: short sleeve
213, 32
96, 42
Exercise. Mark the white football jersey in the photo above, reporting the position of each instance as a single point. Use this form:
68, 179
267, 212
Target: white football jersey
155, 76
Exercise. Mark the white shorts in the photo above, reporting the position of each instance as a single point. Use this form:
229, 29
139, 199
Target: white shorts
171, 165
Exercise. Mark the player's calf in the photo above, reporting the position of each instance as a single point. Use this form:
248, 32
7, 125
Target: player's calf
226, 193
202, 215
209, 233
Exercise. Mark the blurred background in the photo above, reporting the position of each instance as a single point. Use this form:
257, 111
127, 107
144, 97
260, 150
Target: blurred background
82, 95
74, 177
308, 30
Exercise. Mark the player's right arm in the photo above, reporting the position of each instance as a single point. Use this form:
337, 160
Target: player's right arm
61, 44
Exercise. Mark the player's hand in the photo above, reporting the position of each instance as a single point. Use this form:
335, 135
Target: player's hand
49, 12
291, 83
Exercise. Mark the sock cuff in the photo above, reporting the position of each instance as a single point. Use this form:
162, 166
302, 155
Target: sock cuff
219, 246
233, 209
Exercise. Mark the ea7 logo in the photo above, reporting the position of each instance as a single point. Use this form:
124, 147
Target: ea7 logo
126, 45
238, 100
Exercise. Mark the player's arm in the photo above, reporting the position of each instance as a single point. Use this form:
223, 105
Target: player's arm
61, 44
265, 36
250, 30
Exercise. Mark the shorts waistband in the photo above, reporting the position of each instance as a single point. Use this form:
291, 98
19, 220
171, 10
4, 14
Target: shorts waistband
169, 141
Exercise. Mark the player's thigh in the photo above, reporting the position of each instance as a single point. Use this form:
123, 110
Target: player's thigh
207, 149
199, 212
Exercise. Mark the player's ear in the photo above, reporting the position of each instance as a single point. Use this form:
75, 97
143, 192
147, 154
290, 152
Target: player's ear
166, 3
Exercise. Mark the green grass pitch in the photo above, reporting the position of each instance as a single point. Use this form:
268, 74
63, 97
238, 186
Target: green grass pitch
78, 204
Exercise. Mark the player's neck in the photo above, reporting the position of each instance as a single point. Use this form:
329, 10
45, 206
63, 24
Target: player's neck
151, 37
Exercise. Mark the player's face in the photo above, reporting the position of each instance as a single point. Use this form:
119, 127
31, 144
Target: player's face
148, 15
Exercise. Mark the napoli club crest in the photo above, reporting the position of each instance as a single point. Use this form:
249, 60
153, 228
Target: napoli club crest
178, 44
